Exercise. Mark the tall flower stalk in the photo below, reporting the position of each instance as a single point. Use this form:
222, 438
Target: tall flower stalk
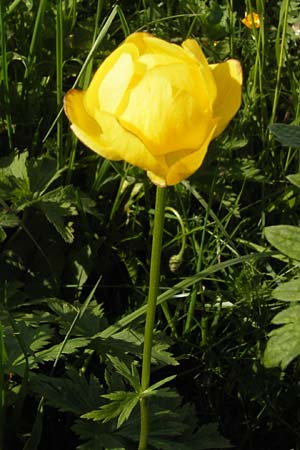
160, 204
160, 115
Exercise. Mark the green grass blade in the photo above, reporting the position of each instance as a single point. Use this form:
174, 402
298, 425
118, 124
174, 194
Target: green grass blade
281, 52
6, 95
124, 23
35, 39
59, 83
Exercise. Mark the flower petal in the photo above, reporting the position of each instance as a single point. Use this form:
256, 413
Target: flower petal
229, 78
83, 125
163, 112
185, 166
107, 87
155, 52
107, 138
192, 48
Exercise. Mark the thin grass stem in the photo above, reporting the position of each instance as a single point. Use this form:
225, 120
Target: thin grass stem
6, 95
282, 25
59, 83
35, 39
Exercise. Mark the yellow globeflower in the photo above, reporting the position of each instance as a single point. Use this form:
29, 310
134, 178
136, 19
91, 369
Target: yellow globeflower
156, 105
251, 19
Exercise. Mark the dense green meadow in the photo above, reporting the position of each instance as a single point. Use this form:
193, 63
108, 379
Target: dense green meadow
76, 233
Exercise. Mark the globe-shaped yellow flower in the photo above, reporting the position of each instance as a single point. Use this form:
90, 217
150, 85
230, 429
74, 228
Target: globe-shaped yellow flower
156, 105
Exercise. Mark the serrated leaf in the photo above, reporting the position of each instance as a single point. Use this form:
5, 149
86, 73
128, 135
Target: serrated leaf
14, 181
87, 325
160, 355
288, 135
70, 346
288, 291
294, 179
284, 342
56, 205
14, 166
98, 436
286, 238
32, 339
132, 376
72, 393
121, 405
42, 172
208, 437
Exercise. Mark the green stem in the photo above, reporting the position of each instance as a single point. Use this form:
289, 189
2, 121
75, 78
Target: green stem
158, 228
283, 22
59, 83
6, 94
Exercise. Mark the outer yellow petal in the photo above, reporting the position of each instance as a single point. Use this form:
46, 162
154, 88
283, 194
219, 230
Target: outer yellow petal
83, 125
112, 79
187, 165
106, 137
182, 164
229, 79
158, 51
165, 115
192, 48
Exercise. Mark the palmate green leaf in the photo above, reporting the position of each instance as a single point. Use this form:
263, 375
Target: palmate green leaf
161, 343
177, 431
88, 324
42, 172
132, 376
70, 347
33, 339
288, 135
57, 205
121, 406
171, 425
161, 355
286, 238
14, 180
99, 436
284, 342
208, 437
17, 360
72, 393
288, 291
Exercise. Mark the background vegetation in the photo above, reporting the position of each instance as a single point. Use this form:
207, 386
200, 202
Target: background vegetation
75, 234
